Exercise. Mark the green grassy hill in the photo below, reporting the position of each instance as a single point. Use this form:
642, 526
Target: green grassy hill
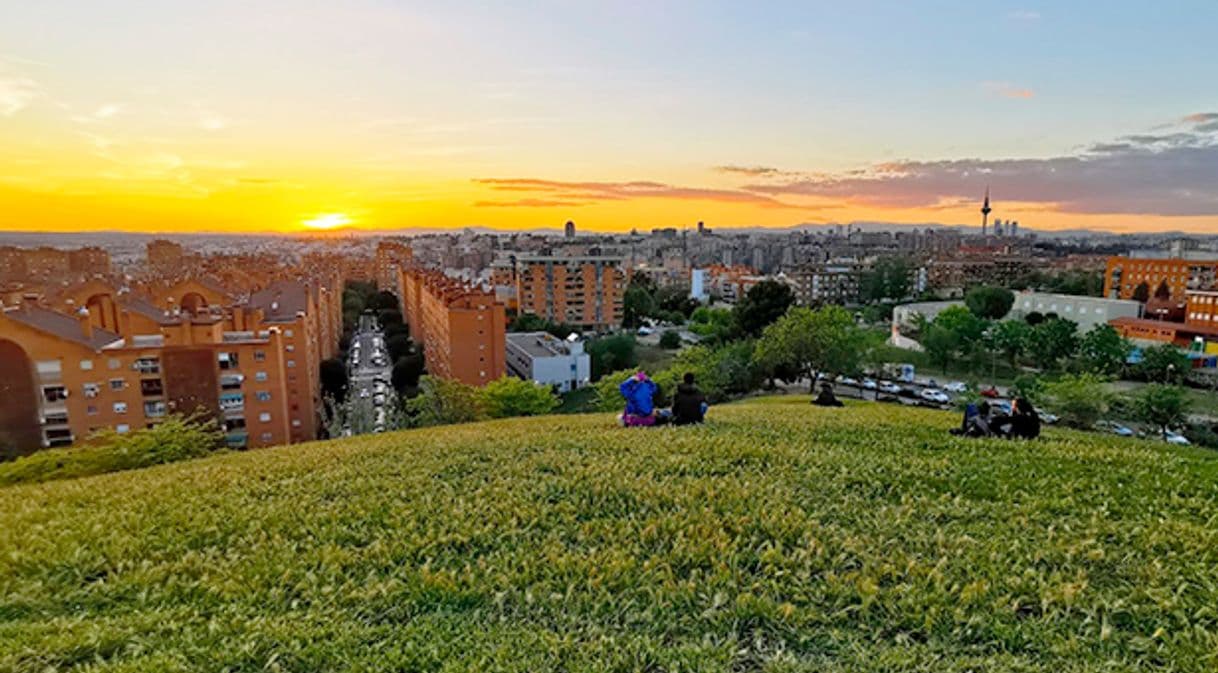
779, 537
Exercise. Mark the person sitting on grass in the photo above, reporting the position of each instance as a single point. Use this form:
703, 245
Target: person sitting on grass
976, 422
639, 392
688, 404
826, 397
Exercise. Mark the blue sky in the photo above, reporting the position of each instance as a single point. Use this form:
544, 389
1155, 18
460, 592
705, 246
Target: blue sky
435, 94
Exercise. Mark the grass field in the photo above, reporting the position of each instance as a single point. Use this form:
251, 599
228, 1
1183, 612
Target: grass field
779, 537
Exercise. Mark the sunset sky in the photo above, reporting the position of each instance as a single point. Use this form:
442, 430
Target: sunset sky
260, 115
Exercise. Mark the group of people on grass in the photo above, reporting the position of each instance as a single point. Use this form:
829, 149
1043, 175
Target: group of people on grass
688, 403
689, 406
986, 420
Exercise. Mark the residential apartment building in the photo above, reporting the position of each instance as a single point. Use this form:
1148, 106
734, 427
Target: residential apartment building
1142, 275
833, 282
543, 358
52, 264
253, 363
391, 258
461, 327
581, 290
1201, 308
164, 255
66, 378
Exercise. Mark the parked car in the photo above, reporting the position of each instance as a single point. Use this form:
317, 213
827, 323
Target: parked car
1046, 417
955, 387
990, 392
1115, 428
1176, 438
847, 381
869, 384
889, 387
378, 399
935, 395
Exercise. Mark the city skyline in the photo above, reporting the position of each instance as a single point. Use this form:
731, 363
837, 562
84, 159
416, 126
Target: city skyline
377, 115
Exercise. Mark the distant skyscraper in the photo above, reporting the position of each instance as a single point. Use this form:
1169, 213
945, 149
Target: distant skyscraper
1012, 228
701, 227
998, 227
985, 211
569, 230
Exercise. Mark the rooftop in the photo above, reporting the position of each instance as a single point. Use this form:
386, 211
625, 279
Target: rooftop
538, 344
61, 325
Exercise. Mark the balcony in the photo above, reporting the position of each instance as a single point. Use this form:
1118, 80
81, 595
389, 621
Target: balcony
231, 381
55, 419
152, 388
237, 440
232, 402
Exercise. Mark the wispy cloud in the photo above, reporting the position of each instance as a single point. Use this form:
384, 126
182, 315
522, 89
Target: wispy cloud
1170, 173
532, 203
16, 93
753, 171
1007, 90
555, 190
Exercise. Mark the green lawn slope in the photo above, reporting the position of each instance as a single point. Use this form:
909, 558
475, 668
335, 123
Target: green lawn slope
778, 537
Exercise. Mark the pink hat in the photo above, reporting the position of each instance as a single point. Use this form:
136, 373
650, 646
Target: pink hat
641, 376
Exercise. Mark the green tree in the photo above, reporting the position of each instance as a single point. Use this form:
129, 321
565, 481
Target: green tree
383, 300
1011, 338
1080, 400
1161, 406
670, 339
611, 353
1164, 363
967, 326
888, 278
406, 372
509, 396
988, 302
764, 303
333, 377
675, 301
713, 325
1053, 340
1102, 350
941, 344
399, 346
638, 302
810, 341
444, 401
1029, 387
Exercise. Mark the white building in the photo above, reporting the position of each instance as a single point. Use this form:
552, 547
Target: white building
544, 358
1086, 312
697, 285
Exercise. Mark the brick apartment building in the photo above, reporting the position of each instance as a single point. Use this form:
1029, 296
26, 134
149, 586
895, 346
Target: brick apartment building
462, 328
94, 357
46, 264
585, 291
1125, 274
391, 258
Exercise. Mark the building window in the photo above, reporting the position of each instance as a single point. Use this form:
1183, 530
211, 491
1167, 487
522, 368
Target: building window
54, 393
154, 409
264, 417
264, 396
259, 356
232, 401
117, 384
291, 364
288, 333
114, 363
120, 407
259, 376
227, 360
91, 389
151, 388
86, 365
48, 367
295, 422
266, 437
147, 365
91, 410
122, 428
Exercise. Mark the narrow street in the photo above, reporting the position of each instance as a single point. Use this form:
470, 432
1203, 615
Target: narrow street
369, 372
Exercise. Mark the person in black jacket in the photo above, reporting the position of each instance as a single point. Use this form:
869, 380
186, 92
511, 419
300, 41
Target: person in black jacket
826, 398
688, 404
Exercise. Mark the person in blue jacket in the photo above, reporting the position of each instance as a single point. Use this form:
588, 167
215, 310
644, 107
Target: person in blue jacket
639, 392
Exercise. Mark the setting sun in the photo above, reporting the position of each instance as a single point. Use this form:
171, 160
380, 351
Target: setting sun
327, 221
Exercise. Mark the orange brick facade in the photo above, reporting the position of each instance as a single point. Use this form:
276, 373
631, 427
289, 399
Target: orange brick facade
584, 291
461, 328
1123, 275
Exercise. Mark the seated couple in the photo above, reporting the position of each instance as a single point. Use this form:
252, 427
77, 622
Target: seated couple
981, 421
688, 404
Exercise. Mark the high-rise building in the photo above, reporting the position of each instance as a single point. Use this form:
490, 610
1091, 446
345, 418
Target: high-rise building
585, 291
461, 327
569, 229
